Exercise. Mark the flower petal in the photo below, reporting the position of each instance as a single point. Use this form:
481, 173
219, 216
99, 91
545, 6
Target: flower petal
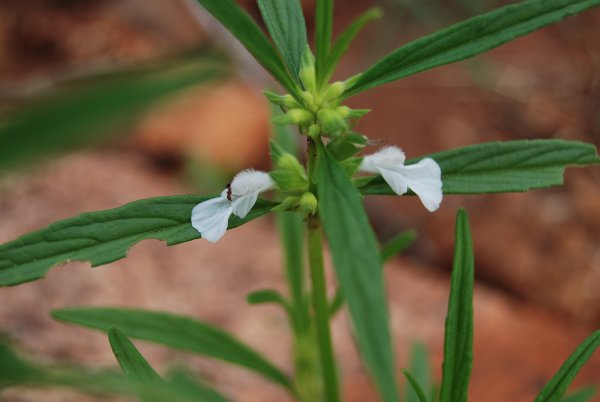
425, 179
387, 158
395, 179
242, 205
250, 181
211, 218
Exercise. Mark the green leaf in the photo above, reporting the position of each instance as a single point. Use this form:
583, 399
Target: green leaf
414, 386
267, 296
291, 229
183, 381
175, 331
421, 371
581, 395
87, 111
398, 245
13, 369
496, 167
285, 22
458, 342
17, 372
394, 247
105, 236
133, 364
323, 30
347, 145
342, 44
357, 263
558, 385
468, 38
241, 25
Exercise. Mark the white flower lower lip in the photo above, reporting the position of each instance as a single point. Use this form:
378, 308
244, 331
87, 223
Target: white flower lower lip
211, 217
424, 178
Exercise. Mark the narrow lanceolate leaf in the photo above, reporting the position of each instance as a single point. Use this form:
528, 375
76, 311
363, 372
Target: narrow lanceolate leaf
17, 372
582, 395
458, 342
133, 364
241, 25
497, 167
175, 331
90, 110
343, 42
558, 385
183, 381
421, 371
267, 296
290, 226
414, 386
105, 236
398, 245
323, 30
358, 267
468, 39
285, 22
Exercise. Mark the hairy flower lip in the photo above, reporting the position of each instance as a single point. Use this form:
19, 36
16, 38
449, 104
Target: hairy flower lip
424, 178
211, 217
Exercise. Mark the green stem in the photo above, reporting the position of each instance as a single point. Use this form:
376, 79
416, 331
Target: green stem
321, 309
319, 296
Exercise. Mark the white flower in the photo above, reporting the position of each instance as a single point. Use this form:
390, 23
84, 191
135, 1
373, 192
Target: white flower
211, 217
424, 177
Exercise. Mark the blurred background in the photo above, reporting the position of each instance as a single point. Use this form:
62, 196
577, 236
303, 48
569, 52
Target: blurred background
103, 102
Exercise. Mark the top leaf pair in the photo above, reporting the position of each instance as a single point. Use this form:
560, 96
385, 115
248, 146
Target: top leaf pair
285, 22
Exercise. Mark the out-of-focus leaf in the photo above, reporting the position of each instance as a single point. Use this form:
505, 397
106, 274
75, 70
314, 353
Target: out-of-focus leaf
137, 369
323, 30
185, 382
415, 387
241, 25
177, 332
556, 388
291, 228
496, 167
13, 370
267, 296
581, 395
17, 372
85, 111
105, 236
358, 267
398, 245
341, 45
468, 38
285, 22
458, 342
394, 247
421, 372
133, 364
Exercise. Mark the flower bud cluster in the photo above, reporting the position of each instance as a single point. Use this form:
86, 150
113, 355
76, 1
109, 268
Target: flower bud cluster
317, 110
292, 182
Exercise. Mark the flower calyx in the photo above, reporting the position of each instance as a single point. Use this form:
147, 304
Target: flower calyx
308, 203
289, 175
